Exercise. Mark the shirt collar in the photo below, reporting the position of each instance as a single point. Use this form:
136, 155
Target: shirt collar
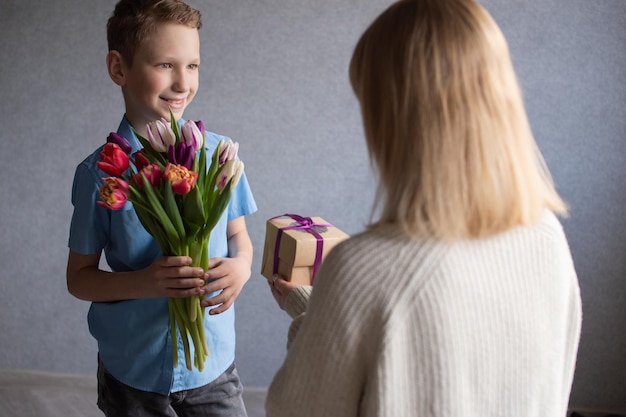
126, 130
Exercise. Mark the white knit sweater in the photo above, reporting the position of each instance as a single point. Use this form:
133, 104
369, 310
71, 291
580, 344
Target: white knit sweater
423, 329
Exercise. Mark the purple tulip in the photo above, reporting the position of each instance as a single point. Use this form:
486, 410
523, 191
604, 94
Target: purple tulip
181, 154
121, 141
192, 135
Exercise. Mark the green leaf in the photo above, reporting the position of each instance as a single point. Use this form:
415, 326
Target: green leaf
193, 210
171, 208
199, 164
209, 186
174, 125
217, 210
161, 215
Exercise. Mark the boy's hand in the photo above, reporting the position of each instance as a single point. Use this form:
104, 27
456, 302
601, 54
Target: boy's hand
172, 276
229, 275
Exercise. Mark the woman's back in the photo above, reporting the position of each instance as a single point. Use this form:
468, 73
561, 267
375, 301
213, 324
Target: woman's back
477, 328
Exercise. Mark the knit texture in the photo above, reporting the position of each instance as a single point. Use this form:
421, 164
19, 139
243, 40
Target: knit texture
399, 327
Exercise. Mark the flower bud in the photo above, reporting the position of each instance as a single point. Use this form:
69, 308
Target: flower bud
182, 179
152, 172
114, 193
141, 160
227, 150
192, 135
121, 141
160, 135
232, 169
114, 160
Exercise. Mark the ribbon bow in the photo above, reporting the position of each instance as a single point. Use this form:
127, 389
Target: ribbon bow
305, 224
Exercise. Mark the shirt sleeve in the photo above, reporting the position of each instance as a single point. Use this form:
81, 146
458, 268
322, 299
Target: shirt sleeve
242, 201
90, 222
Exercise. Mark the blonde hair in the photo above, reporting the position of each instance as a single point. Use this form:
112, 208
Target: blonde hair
445, 123
133, 21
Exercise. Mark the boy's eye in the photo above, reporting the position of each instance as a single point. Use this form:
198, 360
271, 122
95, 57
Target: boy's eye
165, 66
193, 66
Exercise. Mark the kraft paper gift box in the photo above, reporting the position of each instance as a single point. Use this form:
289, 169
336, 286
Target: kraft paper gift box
302, 244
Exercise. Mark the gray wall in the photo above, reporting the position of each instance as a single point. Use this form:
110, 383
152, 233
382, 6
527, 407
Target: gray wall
274, 77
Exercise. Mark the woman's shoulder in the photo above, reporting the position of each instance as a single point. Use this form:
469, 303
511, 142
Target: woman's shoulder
380, 241
376, 251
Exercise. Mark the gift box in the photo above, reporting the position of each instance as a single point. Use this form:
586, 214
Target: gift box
295, 246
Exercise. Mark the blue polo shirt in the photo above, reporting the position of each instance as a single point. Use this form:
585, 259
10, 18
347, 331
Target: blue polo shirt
134, 339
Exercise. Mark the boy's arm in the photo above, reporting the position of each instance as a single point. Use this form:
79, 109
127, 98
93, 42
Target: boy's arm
239, 243
169, 276
230, 274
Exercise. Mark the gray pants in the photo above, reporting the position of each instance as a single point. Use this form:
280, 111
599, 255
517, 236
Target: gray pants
220, 398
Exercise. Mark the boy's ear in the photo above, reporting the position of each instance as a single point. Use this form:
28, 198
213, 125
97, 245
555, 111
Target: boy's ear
115, 67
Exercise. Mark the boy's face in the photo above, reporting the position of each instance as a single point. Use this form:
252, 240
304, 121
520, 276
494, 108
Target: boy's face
164, 75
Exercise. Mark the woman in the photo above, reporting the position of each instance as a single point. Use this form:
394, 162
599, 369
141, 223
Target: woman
462, 298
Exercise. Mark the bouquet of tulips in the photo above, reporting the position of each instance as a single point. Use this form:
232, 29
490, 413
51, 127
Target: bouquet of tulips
178, 199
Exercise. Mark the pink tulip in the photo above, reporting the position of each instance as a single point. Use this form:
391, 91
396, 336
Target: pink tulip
182, 179
152, 172
114, 193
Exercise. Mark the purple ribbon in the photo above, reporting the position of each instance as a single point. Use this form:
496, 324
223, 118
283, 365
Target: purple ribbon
305, 224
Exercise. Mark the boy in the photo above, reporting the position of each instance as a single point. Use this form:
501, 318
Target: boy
154, 55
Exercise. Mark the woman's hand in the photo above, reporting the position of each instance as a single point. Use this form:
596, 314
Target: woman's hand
281, 288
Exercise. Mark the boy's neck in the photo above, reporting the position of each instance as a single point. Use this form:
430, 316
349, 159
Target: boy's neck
140, 128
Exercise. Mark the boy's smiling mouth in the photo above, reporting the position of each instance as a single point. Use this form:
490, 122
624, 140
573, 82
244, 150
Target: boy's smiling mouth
174, 103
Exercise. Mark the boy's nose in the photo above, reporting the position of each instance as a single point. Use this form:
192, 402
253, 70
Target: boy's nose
180, 81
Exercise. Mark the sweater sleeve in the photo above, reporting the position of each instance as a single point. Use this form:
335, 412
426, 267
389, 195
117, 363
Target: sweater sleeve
295, 305
325, 368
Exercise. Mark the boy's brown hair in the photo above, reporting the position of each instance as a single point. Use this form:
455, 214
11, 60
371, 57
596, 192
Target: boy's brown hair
133, 21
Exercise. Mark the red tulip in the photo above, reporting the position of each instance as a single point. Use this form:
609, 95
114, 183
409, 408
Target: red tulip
182, 179
114, 160
113, 193
152, 172
141, 161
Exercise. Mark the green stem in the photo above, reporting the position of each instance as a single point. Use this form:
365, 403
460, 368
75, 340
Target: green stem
199, 352
205, 347
188, 313
191, 307
183, 326
173, 331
